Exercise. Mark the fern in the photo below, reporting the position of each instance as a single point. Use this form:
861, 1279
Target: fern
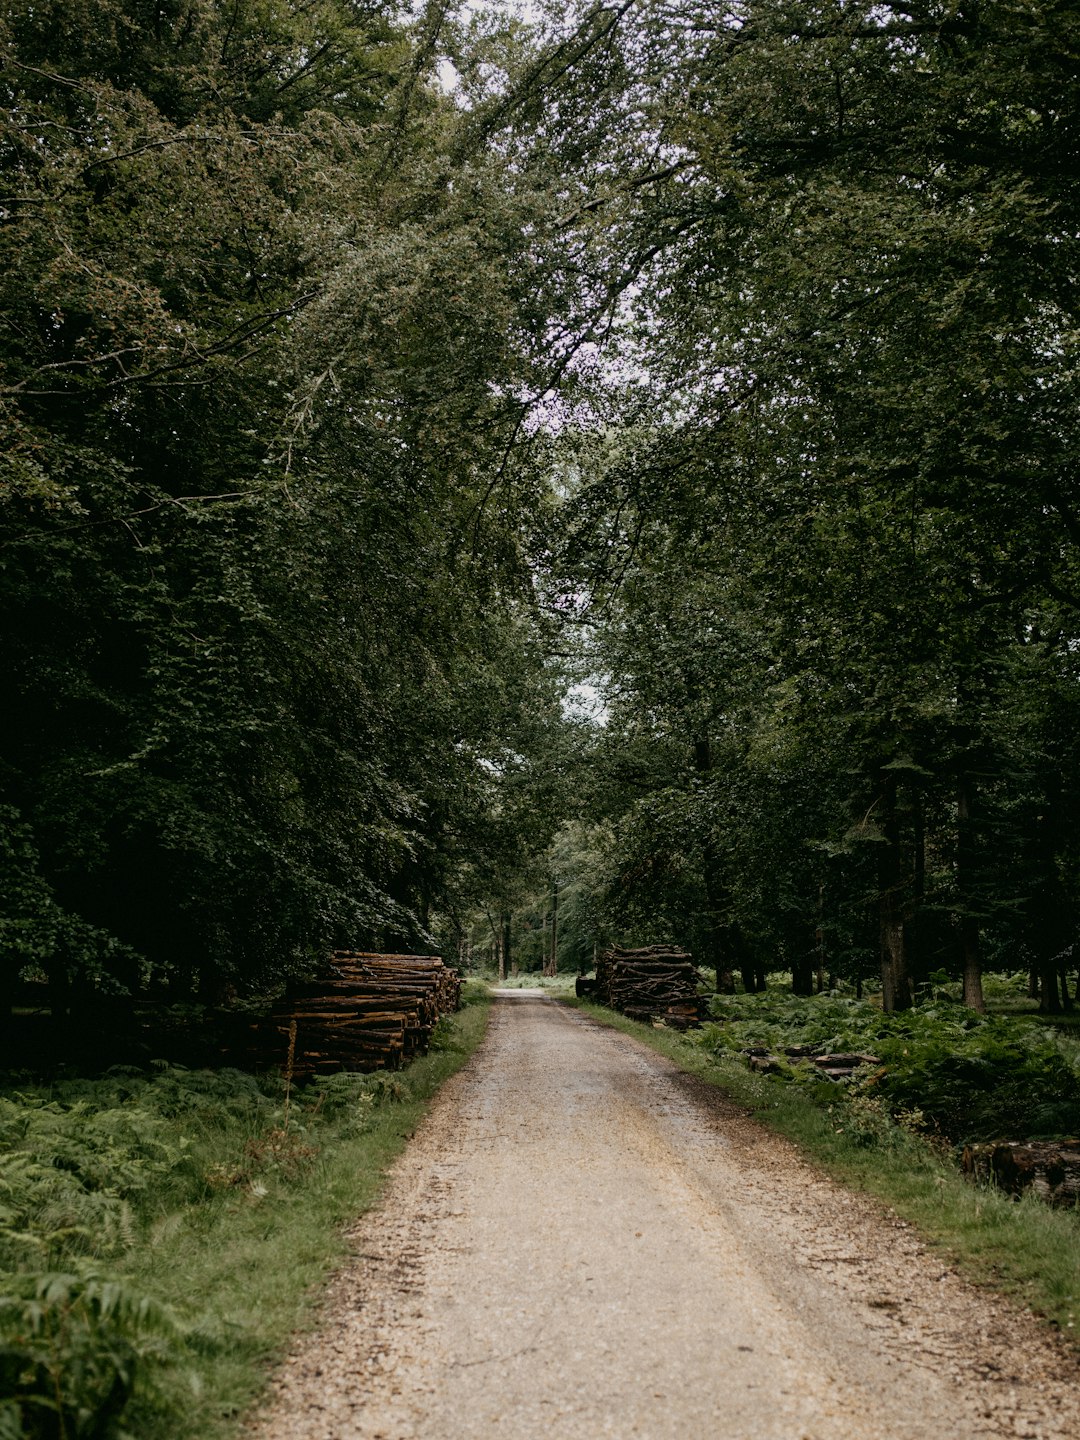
968, 1076
73, 1347
121, 1166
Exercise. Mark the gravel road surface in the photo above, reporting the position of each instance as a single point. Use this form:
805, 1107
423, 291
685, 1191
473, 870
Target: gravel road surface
581, 1242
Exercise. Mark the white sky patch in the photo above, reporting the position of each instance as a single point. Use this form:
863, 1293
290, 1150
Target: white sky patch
585, 702
447, 76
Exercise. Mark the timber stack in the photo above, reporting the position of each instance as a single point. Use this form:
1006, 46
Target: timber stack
367, 1012
659, 981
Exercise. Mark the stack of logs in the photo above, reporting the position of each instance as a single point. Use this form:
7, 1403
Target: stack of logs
658, 981
370, 1012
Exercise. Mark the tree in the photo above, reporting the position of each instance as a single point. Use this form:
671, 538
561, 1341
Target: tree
844, 303
270, 631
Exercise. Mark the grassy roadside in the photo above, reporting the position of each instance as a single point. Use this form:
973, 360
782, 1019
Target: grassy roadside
203, 1215
1022, 1249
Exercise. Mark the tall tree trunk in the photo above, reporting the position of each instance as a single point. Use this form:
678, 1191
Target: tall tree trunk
504, 958
802, 968
59, 979
1051, 924
1049, 999
753, 977
9, 981
819, 939
552, 967
802, 975
971, 960
918, 884
895, 984
717, 934
497, 960
1066, 997
746, 964
915, 939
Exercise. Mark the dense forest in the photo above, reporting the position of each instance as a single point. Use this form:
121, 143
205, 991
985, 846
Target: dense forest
461, 464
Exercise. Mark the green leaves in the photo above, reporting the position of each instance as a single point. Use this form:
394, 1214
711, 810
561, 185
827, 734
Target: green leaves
822, 517
270, 628
968, 1077
73, 1346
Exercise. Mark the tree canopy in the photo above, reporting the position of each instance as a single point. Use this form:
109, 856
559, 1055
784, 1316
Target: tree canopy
726, 357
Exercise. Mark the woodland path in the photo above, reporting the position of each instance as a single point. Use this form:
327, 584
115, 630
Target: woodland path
581, 1241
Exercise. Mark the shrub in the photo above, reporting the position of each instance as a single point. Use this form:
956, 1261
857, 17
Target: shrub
971, 1077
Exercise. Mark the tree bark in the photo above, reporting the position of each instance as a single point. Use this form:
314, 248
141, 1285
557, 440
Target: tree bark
9, 979
552, 967
1066, 997
895, 984
819, 940
1049, 999
802, 975
971, 960
504, 958
1051, 925
496, 959
717, 934
915, 940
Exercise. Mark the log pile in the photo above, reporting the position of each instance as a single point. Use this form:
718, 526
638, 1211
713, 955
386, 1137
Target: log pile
1049, 1168
369, 1012
659, 981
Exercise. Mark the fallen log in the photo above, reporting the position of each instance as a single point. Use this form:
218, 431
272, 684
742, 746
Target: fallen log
845, 1061
1050, 1169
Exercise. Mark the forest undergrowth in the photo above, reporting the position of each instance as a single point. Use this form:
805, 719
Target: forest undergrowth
895, 1132
945, 1071
163, 1232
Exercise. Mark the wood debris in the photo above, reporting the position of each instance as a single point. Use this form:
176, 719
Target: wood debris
839, 1066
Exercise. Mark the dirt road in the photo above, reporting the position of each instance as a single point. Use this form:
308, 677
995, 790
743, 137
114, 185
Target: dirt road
583, 1242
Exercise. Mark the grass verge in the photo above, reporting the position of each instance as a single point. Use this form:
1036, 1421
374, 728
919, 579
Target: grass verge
1019, 1248
165, 1235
